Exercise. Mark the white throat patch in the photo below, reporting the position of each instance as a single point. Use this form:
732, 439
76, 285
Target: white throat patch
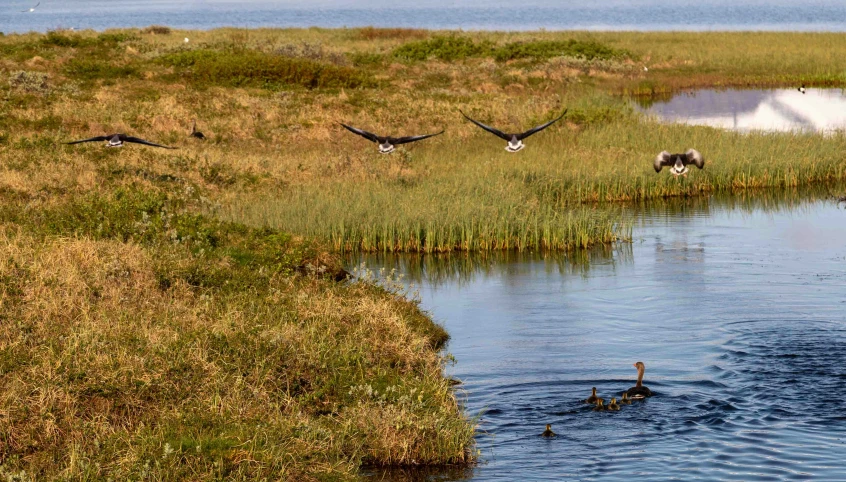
514, 147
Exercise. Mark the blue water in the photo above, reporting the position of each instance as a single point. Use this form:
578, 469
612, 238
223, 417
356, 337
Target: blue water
738, 312
813, 15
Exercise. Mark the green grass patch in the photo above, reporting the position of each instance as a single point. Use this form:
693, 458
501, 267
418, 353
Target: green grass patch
258, 69
545, 49
447, 48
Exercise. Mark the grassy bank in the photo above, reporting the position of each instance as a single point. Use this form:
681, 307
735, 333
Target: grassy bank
270, 100
142, 341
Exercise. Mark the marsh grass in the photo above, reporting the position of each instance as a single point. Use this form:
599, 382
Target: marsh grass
150, 342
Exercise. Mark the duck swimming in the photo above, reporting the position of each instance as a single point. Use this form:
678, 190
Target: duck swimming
600, 407
625, 400
592, 398
117, 140
515, 141
613, 405
386, 143
548, 432
639, 391
678, 162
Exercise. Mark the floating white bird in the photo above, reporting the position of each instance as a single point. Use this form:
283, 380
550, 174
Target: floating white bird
32, 9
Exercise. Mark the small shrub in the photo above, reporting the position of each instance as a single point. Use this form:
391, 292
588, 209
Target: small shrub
116, 37
312, 52
371, 33
545, 49
447, 48
87, 70
28, 81
35, 82
56, 39
257, 69
157, 30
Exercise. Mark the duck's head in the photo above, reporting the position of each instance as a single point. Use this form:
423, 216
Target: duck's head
640, 366
548, 427
593, 391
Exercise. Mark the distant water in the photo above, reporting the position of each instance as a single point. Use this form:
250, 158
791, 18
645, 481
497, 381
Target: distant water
817, 110
737, 307
814, 15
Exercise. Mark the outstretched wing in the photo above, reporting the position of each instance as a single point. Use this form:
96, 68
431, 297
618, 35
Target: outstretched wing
367, 135
541, 127
405, 140
92, 139
694, 157
490, 129
142, 141
663, 160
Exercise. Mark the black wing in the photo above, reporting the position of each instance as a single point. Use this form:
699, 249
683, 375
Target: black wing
142, 141
405, 140
367, 135
92, 139
663, 160
541, 127
490, 129
694, 157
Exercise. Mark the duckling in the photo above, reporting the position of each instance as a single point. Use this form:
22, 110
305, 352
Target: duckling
592, 398
613, 405
626, 400
548, 432
600, 407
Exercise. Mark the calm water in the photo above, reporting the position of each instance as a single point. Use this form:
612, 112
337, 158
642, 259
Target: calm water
821, 110
738, 310
813, 15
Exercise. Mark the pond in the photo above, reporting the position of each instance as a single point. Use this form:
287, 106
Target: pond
819, 110
736, 306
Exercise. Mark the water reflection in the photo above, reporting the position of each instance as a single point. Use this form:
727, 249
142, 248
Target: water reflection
819, 110
738, 316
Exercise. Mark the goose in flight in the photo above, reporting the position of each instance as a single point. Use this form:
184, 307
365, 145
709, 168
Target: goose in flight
31, 9
515, 141
678, 162
386, 143
117, 140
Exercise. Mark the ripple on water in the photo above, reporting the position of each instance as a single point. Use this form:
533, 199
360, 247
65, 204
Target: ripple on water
746, 359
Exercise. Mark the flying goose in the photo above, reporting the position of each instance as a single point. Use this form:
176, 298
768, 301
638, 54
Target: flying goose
801, 89
31, 9
679, 162
195, 132
386, 143
515, 141
639, 391
117, 140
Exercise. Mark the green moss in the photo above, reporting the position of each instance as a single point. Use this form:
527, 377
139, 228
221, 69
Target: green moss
92, 69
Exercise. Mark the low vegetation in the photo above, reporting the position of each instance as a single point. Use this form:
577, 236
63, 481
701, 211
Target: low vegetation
174, 314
